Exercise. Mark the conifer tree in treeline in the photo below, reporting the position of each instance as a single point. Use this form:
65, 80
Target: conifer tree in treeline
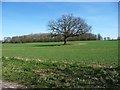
99, 37
69, 26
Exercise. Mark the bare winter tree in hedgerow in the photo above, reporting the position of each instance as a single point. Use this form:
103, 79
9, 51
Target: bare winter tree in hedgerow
68, 26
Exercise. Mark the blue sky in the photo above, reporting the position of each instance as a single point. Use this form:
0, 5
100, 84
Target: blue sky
22, 18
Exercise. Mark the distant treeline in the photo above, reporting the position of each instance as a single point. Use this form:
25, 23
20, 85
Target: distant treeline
47, 37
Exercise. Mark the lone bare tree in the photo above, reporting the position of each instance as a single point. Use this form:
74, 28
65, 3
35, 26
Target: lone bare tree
68, 26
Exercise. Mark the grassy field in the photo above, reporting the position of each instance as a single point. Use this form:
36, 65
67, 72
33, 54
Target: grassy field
51, 64
100, 52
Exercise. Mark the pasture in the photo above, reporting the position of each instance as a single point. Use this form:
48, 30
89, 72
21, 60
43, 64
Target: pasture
52, 64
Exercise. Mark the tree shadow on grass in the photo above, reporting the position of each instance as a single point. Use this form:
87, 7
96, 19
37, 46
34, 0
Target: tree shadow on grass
50, 45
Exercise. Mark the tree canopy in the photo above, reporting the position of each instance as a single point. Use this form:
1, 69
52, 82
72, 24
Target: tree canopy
68, 26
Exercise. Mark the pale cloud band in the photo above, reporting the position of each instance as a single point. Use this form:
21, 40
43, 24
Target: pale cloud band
60, 0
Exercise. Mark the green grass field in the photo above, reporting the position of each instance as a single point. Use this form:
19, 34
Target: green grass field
100, 52
51, 64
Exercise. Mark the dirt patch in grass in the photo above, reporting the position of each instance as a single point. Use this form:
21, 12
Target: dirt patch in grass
6, 84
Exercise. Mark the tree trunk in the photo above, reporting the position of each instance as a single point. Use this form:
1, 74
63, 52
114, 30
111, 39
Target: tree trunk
65, 40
